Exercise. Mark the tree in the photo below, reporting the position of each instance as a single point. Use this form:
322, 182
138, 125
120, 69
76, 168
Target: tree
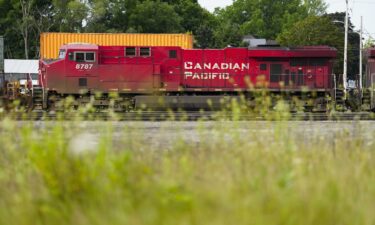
315, 7
69, 15
320, 30
155, 17
25, 23
13, 41
267, 18
353, 43
42, 16
369, 43
110, 15
197, 20
313, 30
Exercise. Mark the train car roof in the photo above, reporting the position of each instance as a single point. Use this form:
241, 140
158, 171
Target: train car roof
80, 46
305, 51
256, 52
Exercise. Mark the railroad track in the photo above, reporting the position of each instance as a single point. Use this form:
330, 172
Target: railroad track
186, 116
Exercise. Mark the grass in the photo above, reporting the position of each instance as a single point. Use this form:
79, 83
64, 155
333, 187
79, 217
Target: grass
173, 173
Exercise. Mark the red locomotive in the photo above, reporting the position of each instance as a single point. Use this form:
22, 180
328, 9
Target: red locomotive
369, 81
185, 77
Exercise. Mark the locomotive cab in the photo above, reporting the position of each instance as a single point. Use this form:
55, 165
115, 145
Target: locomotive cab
81, 66
75, 69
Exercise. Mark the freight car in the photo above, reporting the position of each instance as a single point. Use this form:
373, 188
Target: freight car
185, 77
368, 99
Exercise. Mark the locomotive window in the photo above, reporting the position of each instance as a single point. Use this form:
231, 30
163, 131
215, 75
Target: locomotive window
172, 54
263, 67
71, 56
62, 54
130, 52
145, 52
298, 62
317, 62
90, 57
80, 57
276, 71
286, 77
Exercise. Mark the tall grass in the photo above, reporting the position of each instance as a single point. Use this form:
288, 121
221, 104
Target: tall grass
171, 173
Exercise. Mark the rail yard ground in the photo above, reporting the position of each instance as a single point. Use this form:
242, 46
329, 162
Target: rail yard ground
216, 172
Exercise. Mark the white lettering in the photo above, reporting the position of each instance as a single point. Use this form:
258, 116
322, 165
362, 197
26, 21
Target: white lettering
188, 74
84, 66
236, 67
188, 65
198, 66
224, 66
207, 76
196, 76
216, 67
207, 66
245, 66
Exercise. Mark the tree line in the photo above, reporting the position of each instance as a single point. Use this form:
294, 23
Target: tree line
290, 22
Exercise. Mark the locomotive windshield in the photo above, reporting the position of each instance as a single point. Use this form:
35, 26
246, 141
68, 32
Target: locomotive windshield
62, 54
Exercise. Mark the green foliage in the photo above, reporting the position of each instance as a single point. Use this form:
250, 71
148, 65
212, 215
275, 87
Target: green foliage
22, 21
267, 18
261, 18
70, 15
234, 173
315, 7
323, 30
369, 43
155, 17
353, 44
313, 30
110, 15
197, 20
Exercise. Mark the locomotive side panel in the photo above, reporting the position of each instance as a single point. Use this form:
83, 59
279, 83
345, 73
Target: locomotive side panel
239, 68
215, 70
193, 70
169, 59
370, 80
126, 69
214, 77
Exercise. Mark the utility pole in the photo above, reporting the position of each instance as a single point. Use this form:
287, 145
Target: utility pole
360, 57
2, 78
345, 74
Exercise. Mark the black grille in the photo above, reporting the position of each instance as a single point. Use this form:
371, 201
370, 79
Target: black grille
82, 82
172, 54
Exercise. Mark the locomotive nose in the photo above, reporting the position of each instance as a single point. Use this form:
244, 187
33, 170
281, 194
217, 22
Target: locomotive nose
42, 71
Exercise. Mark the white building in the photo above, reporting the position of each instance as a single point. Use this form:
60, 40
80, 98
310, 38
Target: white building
19, 69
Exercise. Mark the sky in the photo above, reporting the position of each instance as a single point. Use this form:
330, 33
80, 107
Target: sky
358, 8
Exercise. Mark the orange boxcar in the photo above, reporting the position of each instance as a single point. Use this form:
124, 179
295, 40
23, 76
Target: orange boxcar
51, 42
